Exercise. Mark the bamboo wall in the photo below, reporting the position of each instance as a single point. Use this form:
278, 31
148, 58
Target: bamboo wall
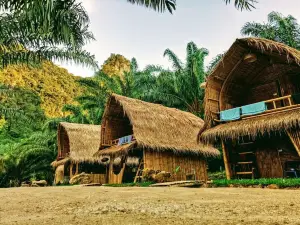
115, 178
272, 153
115, 128
98, 178
63, 143
167, 161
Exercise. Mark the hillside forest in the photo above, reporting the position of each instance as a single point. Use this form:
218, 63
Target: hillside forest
36, 96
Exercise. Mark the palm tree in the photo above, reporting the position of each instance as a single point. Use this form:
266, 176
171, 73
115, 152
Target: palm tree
33, 31
179, 88
279, 28
30, 158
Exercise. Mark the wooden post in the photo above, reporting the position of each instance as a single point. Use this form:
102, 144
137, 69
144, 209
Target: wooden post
290, 101
76, 169
226, 162
71, 170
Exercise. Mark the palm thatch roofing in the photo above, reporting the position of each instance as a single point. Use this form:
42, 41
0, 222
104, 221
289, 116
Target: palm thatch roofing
234, 82
116, 150
61, 162
253, 127
83, 141
157, 127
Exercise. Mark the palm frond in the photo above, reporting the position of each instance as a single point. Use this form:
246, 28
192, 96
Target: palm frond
243, 4
157, 5
177, 64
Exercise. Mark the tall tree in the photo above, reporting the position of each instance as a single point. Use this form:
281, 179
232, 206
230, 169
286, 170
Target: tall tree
179, 88
32, 31
278, 28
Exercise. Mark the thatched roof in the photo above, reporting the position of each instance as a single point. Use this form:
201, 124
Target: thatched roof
253, 127
236, 81
84, 141
227, 85
116, 150
158, 127
57, 163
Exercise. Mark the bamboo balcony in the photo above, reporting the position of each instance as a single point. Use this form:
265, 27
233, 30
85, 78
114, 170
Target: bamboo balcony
109, 143
276, 105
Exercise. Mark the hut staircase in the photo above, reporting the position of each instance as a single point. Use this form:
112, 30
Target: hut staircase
245, 162
138, 177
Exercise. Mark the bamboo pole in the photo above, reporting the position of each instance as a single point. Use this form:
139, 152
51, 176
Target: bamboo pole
76, 168
226, 162
71, 170
297, 147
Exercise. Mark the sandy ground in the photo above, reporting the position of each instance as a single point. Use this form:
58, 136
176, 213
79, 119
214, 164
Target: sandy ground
104, 205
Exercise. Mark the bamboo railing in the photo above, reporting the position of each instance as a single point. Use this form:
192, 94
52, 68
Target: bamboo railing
286, 105
109, 143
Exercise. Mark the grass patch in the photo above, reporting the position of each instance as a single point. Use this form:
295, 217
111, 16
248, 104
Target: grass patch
216, 175
280, 182
143, 184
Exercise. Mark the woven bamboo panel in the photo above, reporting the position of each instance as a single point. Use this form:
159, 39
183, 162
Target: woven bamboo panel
98, 178
167, 161
114, 178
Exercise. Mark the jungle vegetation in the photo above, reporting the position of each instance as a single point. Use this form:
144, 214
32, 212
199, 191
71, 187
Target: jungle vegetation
35, 94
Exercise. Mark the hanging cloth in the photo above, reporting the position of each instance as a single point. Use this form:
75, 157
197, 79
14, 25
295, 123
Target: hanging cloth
254, 109
230, 114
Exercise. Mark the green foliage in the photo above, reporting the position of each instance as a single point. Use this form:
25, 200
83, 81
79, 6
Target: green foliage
179, 88
55, 86
28, 158
115, 65
279, 28
282, 183
34, 31
243, 4
217, 175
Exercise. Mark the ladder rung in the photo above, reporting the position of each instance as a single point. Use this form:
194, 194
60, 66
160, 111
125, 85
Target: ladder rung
245, 162
243, 173
246, 143
244, 153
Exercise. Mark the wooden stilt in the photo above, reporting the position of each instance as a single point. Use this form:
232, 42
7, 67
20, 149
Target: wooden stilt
226, 162
76, 168
71, 170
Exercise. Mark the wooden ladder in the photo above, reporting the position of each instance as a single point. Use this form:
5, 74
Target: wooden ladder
138, 176
246, 163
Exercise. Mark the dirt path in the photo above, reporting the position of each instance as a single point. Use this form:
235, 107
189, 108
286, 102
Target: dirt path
103, 205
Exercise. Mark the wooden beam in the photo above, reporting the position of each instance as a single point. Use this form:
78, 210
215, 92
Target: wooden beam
278, 99
224, 85
293, 139
226, 161
273, 111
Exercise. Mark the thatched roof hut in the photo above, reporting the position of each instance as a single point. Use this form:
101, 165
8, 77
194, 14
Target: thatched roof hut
154, 127
77, 143
252, 70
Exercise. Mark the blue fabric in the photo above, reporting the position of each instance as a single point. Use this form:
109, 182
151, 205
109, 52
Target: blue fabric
230, 114
125, 140
254, 109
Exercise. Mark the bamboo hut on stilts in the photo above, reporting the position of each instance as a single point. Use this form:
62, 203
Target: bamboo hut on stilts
252, 109
138, 135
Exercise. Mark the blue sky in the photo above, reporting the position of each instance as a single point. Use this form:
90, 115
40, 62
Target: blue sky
134, 31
